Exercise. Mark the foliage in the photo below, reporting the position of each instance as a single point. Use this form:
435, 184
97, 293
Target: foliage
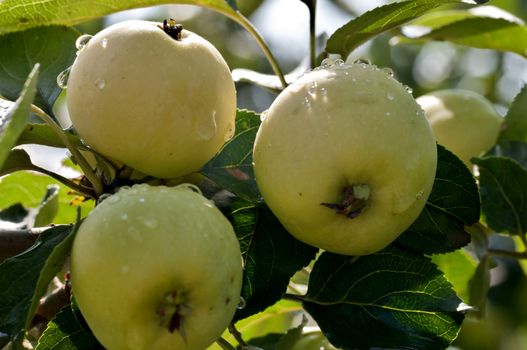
414, 294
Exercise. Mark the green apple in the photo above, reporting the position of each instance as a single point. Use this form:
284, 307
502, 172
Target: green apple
156, 268
463, 121
345, 158
160, 104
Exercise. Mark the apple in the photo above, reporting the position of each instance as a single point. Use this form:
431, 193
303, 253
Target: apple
463, 121
345, 158
155, 97
156, 268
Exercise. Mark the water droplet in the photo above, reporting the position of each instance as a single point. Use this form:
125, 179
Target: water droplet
419, 195
362, 61
312, 90
388, 114
141, 200
339, 62
263, 116
150, 222
390, 97
326, 62
306, 102
104, 43
62, 78
82, 41
113, 199
100, 83
124, 216
408, 89
323, 91
388, 71
241, 305
206, 127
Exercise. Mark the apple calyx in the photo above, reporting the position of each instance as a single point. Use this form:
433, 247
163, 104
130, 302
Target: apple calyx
171, 28
172, 312
354, 201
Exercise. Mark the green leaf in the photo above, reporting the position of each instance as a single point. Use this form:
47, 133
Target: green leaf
453, 203
17, 15
485, 33
232, 167
503, 189
379, 20
20, 275
511, 149
515, 125
64, 332
271, 256
49, 207
458, 267
392, 299
52, 266
27, 188
17, 159
43, 134
16, 116
52, 47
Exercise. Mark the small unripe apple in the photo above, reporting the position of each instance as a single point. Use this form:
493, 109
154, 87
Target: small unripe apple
463, 121
157, 98
156, 268
345, 158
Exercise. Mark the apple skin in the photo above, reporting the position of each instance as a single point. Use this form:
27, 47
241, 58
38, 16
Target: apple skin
162, 106
463, 121
338, 127
145, 251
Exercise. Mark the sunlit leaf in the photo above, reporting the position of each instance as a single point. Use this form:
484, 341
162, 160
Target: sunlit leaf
14, 118
379, 20
390, 300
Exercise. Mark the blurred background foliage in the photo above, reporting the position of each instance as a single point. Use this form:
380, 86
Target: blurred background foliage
424, 66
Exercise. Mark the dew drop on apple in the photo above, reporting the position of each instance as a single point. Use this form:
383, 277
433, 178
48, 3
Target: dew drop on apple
113, 199
241, 305
263, 115
306, 102
323, 91
390, 97
124, 216
419, 195
206, 127
408, 89
312, 90
82, 41
100, 83
150, 222
62, 78
104, 43
388, 71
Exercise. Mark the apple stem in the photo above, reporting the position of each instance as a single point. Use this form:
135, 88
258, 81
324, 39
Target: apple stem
171, 28
354, 201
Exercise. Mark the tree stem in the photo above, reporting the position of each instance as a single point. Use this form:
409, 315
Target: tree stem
83, 163
313, 35
245, 23
225, 345
237, 335
508, 254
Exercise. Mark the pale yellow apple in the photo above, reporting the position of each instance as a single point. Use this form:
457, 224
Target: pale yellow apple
463, 121
156, 268
155, 103
345, 159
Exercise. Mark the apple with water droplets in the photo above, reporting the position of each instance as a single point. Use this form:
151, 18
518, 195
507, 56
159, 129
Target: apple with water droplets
156, 268
345, 158
153, 96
